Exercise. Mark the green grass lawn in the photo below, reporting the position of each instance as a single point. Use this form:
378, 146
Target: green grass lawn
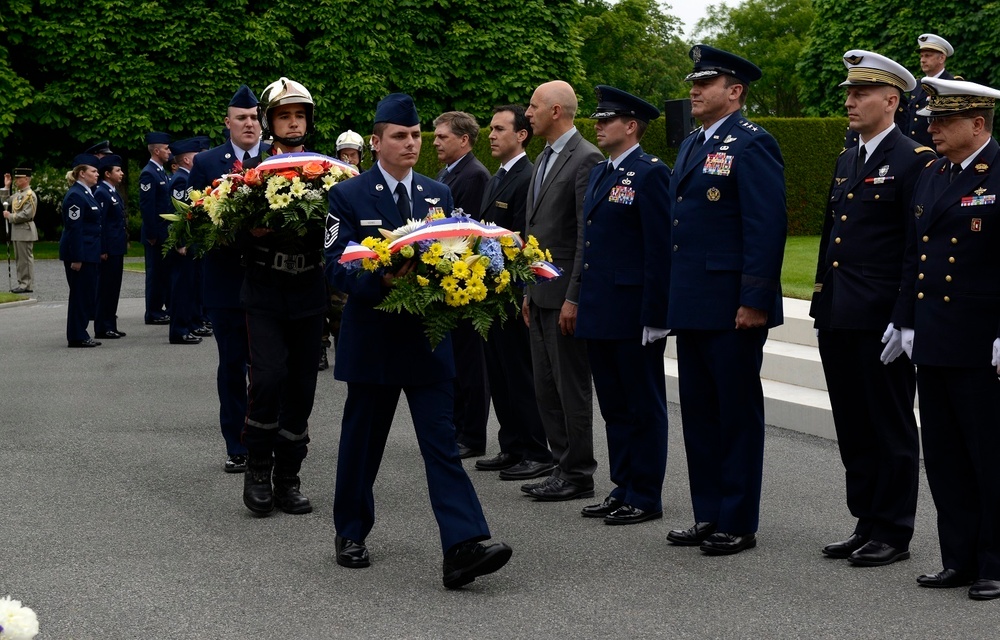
47, 250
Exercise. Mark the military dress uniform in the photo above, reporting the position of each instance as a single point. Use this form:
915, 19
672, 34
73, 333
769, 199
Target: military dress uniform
858, 273
23, 207
154, 199
950, 297
82, 219
114, 245
184, 312
909, 121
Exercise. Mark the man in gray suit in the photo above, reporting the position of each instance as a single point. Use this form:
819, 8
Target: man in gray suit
559, 360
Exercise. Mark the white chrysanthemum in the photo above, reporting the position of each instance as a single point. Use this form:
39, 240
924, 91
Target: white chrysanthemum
410, 226
328, 181
280, 200
16, 622
298, 188
453, 248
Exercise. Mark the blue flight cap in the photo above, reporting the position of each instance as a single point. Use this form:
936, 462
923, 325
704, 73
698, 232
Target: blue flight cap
110, 161
710, 62
187, 145
104, 146
86, 158
244, 98
158, 137
397, 108
612, 103
204, 142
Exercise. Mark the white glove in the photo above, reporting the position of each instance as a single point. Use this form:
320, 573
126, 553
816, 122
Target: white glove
907, 339
893, 341
996, 354
652, 334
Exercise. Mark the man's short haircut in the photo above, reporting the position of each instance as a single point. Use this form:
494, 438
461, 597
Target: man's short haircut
987, 115
460, 123
731, 80
521, 122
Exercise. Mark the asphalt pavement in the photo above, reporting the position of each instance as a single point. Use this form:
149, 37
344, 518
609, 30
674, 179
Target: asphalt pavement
117, 522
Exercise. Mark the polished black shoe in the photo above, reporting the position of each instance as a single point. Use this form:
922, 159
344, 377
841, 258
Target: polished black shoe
945, 579
21, 290
840, 550
258, 495
83, 344
531, 486
627, 514
468, 560
466, 452
559, 490
236, 463
121, 334
351, 554
186, 339
877, 554
527, 469
983, 589
109, 335
693, 536
600, 510
324, 361
202, 332
726, 544
158, 320
499, 462
288, 497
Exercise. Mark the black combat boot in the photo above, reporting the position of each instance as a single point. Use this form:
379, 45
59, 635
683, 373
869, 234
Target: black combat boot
287, 496
257, 493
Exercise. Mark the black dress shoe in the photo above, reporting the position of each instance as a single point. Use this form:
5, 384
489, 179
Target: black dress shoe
158, 320
351, 554
693, 536
20, 290
877, 554
945, 579
840, 550
202, 332
121, 334
984, 589
236, 463
109, 335
83, 344
468, 560
288, 495
627, 514
559, 490
465, 452
725, 544
186, 339
527, 469
600, 510
499, 462
531, 486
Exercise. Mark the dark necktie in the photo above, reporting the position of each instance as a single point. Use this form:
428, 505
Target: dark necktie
246, 157
495, 183
402, 201
955, 170
862, 157
542, 164
701, 139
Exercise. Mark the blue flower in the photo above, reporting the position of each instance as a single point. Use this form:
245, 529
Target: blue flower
490, 247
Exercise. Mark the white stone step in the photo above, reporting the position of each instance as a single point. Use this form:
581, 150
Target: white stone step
787, 362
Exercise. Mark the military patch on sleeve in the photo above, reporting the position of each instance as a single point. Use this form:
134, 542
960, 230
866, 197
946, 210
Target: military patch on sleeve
332, 229
74, 212
180, 194
146, 186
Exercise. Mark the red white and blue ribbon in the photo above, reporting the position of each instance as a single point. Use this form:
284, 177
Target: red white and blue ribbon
545, 271
295, 160
453, 228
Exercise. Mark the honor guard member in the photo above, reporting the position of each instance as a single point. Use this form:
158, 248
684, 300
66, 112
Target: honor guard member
114, 245
21, 220
284, 295
351, 148
373, 344
154, 199
950, 313
727, 194
80, 249
934, 52
185, 325
623, 305
857, 283
100, 149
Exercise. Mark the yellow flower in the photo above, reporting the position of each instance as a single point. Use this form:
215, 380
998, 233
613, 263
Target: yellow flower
450, 284
479, 267
422, 281
381, 247
476, 288
196, 195
433, 255
437, 215
461, 270
298, 188
502, 280
548, 256
280, 200
328, 181
457, 298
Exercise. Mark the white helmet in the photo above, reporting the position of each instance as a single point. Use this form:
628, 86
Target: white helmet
281, 92
350, 140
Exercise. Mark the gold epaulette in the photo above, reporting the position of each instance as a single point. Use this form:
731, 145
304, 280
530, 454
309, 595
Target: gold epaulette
844, 150
922, 149
929, 163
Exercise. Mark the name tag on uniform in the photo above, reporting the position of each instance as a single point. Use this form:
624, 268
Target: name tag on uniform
500, 205
371, 223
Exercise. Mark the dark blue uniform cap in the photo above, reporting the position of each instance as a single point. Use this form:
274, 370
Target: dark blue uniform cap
187, 145
397, 108
612, 103
104, 146
86, 158
204, 143
158, 137
110, 161
710, 62
244, 98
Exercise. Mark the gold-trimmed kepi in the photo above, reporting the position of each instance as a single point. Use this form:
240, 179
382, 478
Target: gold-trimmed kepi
870, 68
21, 172
935, 42
948, 97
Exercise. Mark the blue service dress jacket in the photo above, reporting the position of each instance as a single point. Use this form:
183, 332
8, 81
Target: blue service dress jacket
728, 228
82, 222
115, 230
154, 199
377, 347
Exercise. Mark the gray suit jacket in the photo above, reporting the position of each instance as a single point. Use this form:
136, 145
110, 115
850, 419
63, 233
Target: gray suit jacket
556, 219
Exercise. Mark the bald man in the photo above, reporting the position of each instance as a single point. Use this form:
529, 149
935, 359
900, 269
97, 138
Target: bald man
559, 359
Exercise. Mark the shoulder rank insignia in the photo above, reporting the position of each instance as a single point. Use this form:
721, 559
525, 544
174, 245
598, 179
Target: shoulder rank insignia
982, 167
919, 150
748, 125
929, 162
840, 181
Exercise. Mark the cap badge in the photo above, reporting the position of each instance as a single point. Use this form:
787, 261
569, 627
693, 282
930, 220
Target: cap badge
854, 60
696, 54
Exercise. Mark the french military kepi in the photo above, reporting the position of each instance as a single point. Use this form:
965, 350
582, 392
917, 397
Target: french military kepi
612, 103
870, 68
948, 97
397, 108
934, 42
21, 172
710, 62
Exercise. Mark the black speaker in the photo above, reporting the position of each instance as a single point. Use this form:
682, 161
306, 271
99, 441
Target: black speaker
679, 121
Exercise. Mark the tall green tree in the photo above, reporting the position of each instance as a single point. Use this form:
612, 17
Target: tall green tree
634, 45
771, 34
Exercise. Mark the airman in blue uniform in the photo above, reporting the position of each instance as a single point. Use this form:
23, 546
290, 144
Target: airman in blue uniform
154, 199
186, 327
80, 249
114, 245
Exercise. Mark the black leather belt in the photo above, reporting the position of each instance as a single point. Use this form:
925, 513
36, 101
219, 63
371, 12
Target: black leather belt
292, 263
